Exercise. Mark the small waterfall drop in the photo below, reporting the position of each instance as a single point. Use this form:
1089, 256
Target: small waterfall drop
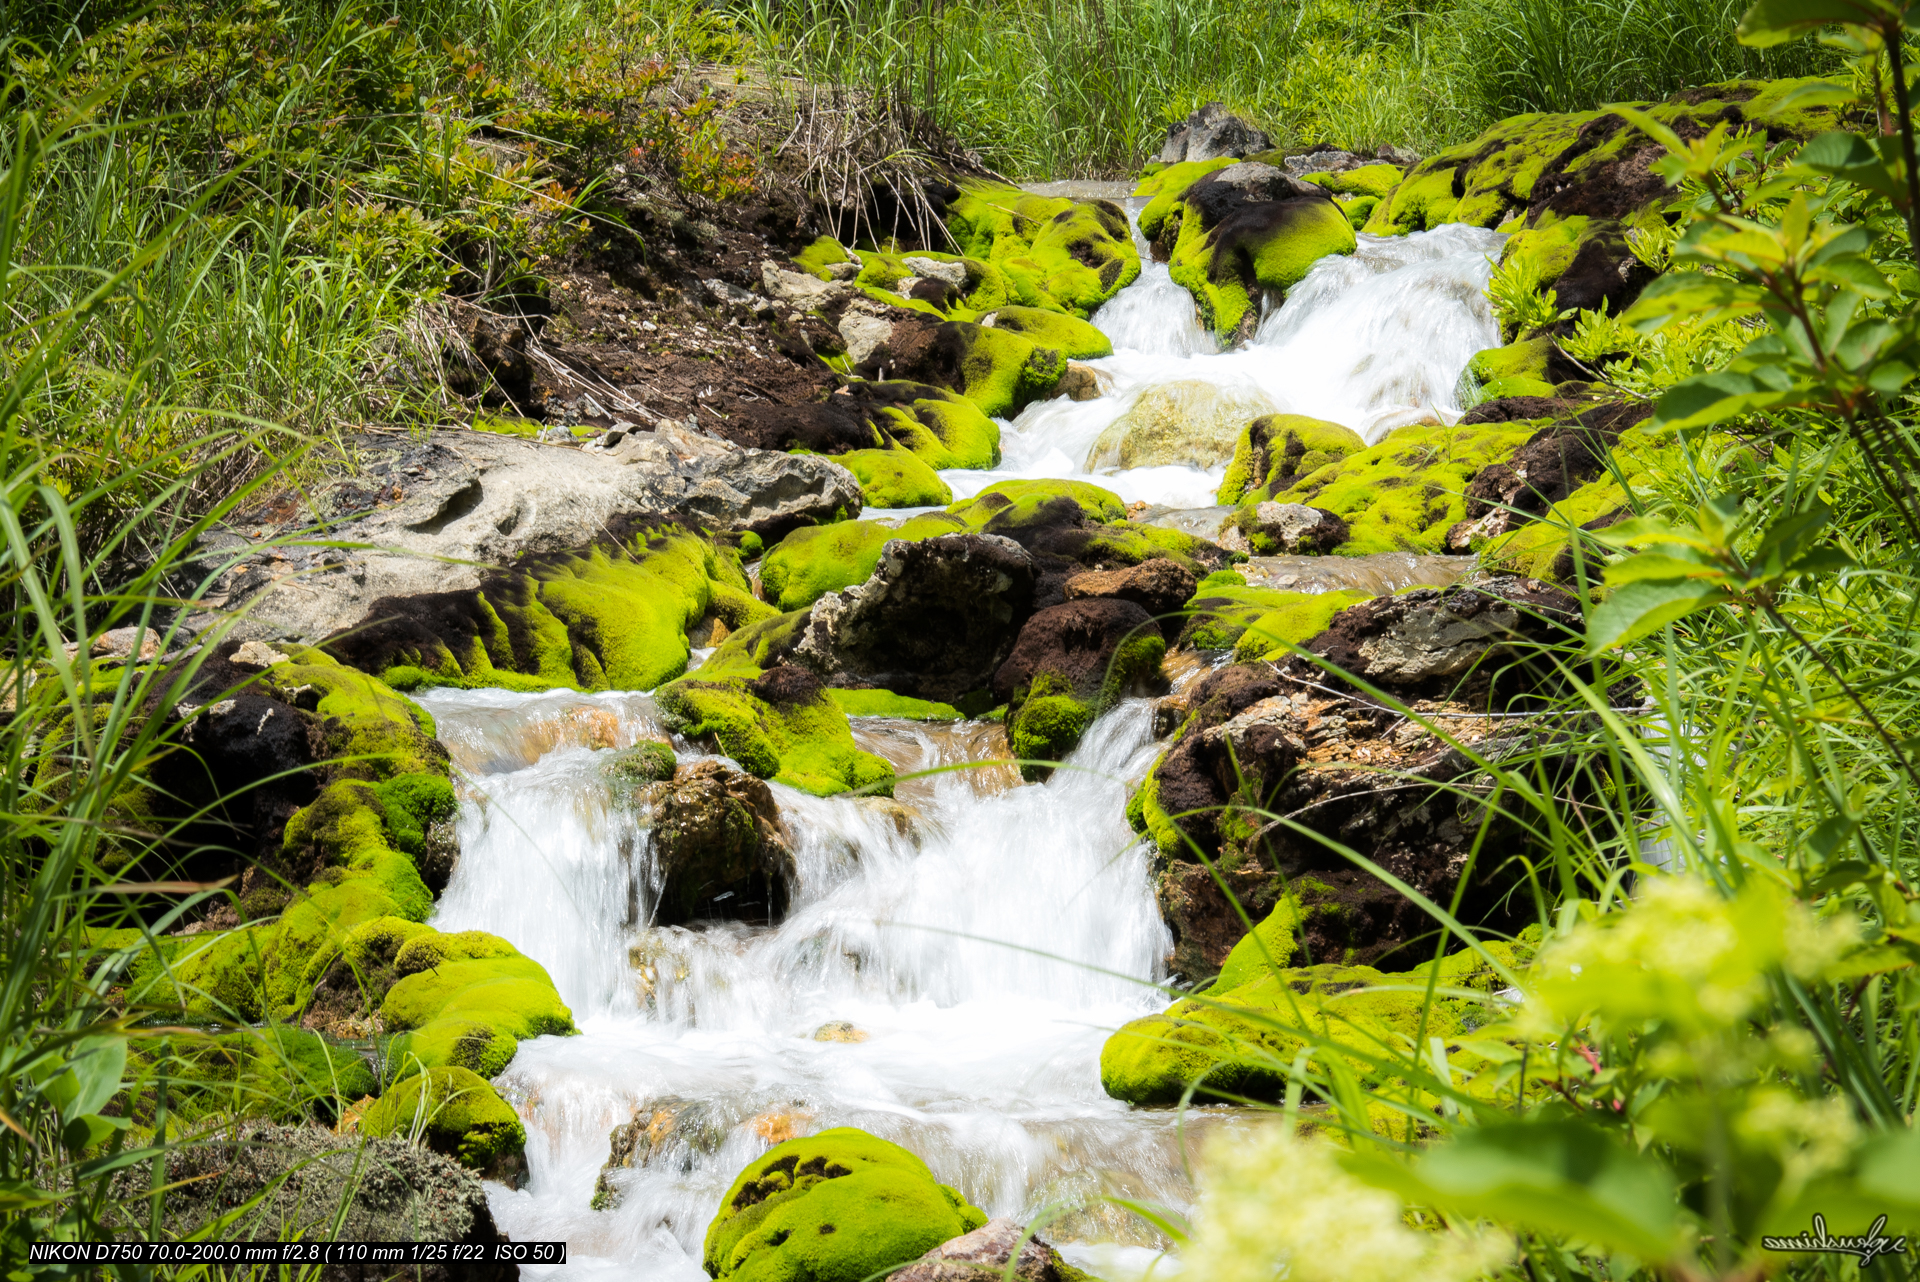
1372, 340
982, 952
952, 963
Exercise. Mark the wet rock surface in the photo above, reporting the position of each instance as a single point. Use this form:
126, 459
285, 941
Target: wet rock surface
719, 847
1159, 586
935, 620
986, 1252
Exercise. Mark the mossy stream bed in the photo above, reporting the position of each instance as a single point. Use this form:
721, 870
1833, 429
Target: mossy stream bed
950, 966
1373, 340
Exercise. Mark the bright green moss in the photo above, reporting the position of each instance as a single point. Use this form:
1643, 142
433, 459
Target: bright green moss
1257, 621
752, 650
1536, 547
1502, 388
277, 1072
1006, 505
1228, 279
839, 1206
1368, 180
895, 478
1072, 337
507, 425
1002, 372
1404, 493
1131, 544
821, 254
384, 733
644, 763
807, 745
1291, 445
1056, 254
455, 1111
412, 804
885, 703
1166, 190
817, 559
1233, 1039
1524, 359
944, 429
1271, 943
1045, 730
215, 975
1273, 633
468, 1000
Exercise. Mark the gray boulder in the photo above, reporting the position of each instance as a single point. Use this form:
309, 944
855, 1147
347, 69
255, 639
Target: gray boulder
1208, 134
934, 620
1261, 181
470, 501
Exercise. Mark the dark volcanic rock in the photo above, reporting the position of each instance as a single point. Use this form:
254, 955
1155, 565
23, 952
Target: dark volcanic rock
935, 620
719, 847
1086, 642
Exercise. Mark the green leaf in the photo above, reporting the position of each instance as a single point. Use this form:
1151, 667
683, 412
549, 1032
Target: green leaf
1559, 1177
1658, 565
1706, 399
1636, 609
1853, 158
90, 1078
1772, 22
18, 1195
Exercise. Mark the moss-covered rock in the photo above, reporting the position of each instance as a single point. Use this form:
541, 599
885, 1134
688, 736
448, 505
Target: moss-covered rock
1079, 521
467, 1000
813, 561
456, 1113
1525, 358
1274, 451
939, 426
613, 616
823, 253
1238, 246
644, 763
1072, 337
885, 703
800, 738
1239, 1040
1044, 729
276, 1072
1404, 493
1165, 190
839, 1206
1055, 254
894, 478
1374, 180
1259, 623
1009, 505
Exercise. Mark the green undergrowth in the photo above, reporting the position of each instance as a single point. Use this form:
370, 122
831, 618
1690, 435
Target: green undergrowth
1239, 1040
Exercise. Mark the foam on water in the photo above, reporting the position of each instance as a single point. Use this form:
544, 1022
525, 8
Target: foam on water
985, 954
1373, 340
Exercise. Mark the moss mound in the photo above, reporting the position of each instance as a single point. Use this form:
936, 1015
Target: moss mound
1238, 1040
467, 999
942, 428
1054, 254
455, 1112
1259, 623
802, 742
1019, 504
1404, 493
839, 1206
894, 478
1526, 358
816, 560
1165, 190
611, 617
1261, 251
885, 703
1072, 337
1274, 451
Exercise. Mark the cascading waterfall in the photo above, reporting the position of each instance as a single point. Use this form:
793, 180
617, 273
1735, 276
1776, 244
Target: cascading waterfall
1373, 340
962, 971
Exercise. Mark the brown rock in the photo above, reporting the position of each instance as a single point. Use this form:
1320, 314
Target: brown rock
984, 1253
1085, 642
1159, 586
719, 847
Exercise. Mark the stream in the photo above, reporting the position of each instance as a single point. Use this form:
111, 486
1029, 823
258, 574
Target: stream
943, 979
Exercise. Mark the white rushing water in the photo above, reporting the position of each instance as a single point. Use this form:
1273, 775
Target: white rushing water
984, 953
985, 956
1372, 340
